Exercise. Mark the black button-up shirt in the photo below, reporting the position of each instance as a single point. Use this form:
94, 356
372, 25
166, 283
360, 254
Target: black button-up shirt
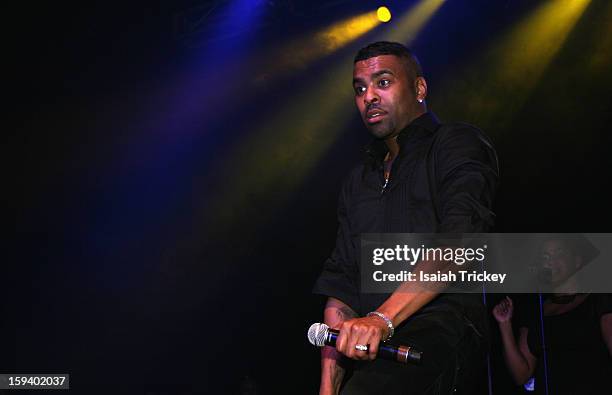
464, 167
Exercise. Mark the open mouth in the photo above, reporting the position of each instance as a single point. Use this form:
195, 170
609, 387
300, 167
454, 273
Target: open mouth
375, 115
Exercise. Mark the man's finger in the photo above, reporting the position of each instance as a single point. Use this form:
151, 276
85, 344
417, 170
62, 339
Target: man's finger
361, 348
342, 339
357, 337
374, 340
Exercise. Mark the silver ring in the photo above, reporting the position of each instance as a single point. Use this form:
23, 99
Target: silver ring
361, 347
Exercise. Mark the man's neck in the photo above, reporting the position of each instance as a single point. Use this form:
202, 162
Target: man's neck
393, 147
391, 141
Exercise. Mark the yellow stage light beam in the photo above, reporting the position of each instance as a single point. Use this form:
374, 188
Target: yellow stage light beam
412, 22
344, 32
300, 53
268, 165
493, 88
530, 48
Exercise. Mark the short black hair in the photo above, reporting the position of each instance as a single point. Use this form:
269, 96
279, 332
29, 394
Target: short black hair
391, 48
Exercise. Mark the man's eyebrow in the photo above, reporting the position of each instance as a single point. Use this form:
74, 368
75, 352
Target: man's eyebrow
381, 72
374, 75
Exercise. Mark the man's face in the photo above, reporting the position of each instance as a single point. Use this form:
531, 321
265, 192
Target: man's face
385, 95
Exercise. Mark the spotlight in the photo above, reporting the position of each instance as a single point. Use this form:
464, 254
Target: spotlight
383, 14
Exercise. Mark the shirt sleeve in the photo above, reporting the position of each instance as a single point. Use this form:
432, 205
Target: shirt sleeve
339, 276
467, 178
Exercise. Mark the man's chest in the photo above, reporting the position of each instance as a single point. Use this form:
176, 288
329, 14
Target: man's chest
404, 205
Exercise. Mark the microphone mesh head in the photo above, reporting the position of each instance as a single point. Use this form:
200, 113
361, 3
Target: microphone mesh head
317, 334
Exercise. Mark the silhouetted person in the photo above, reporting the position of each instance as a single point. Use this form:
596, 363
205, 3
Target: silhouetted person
577, 341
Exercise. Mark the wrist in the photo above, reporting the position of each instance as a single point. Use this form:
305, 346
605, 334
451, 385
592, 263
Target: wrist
505, 324
386, 320
392, 314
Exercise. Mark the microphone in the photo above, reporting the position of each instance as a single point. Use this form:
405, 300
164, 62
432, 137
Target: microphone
322, 335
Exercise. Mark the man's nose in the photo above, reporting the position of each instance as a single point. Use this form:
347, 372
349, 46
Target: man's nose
371, 96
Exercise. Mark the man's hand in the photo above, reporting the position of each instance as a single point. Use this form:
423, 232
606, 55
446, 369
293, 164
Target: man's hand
367, 331
503, 310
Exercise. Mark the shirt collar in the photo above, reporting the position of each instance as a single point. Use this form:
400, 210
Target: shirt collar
425, 123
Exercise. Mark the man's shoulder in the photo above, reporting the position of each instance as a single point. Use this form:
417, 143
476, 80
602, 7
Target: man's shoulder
462, 133
461, 128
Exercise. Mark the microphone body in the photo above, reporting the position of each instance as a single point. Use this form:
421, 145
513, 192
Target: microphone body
321, 334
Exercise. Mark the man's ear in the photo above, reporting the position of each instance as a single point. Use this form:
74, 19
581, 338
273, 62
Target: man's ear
420, 87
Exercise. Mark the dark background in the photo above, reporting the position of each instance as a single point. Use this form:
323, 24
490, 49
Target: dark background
144, 262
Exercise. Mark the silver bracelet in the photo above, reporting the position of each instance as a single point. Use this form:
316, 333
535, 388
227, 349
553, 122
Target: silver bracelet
387, 321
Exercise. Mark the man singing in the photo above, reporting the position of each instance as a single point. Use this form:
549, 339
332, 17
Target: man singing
420, 176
